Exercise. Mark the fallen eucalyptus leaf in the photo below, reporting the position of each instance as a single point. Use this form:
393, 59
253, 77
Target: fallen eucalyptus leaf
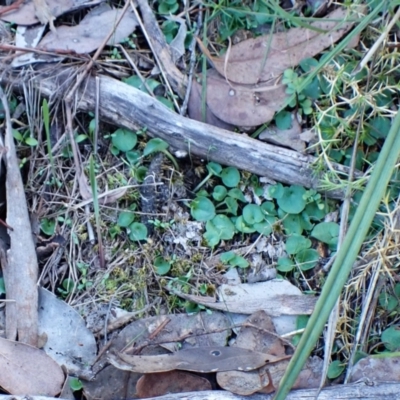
198, 359
262, 59
26, 369
90, 33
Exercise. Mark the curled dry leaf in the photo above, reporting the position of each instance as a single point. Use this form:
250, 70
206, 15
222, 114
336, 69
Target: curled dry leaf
25, 14
152, 385
26, 369
198, 359
264, 58
91, 31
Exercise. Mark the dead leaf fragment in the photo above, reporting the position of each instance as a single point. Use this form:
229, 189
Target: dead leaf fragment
377, 369
44, 14
91, 31
275, 297
152, 385
26, 369
199, 359
262, 59
25, 15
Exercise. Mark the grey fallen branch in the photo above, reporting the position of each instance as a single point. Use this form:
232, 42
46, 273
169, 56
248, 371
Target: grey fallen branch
127, 107
377, 390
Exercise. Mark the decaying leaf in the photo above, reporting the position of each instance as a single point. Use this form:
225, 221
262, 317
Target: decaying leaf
275, 297
201, 329
89, 34
377, 368
152, 385
262, 59
74, 348
25, 15
26, 369
199, 359
258, 334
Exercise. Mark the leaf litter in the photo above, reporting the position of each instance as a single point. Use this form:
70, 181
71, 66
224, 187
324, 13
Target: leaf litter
226, 81
244, 88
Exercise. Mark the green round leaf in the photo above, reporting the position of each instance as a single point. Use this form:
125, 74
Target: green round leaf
283, 120
284, 264
236, 193
307, 259
48, 226
335, 369
124, 139
219, 192
154, 145
265, 227
227, 256
125, 219
161, 265
232, 205
223, 226
326, 232
140, 173
292, 224
296, 243
268, 208
211, 235
391, 338
75, 384
292, 200
252, 214
387, 301
241, 226
133, 156
239, 261
230, 176
276, 191
214, 168
315, 211
202, 209
137, 231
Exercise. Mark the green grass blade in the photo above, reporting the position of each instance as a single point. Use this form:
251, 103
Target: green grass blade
346, 256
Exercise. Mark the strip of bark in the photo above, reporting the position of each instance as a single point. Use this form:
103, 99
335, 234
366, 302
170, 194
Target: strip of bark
125, 106
21, 269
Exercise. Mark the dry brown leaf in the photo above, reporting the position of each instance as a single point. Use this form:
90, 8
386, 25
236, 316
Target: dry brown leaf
91, 31
262, 59
25, 15
198, 359
377, 369
275, 297
152, 385
242, 105
26, 369
258, 334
